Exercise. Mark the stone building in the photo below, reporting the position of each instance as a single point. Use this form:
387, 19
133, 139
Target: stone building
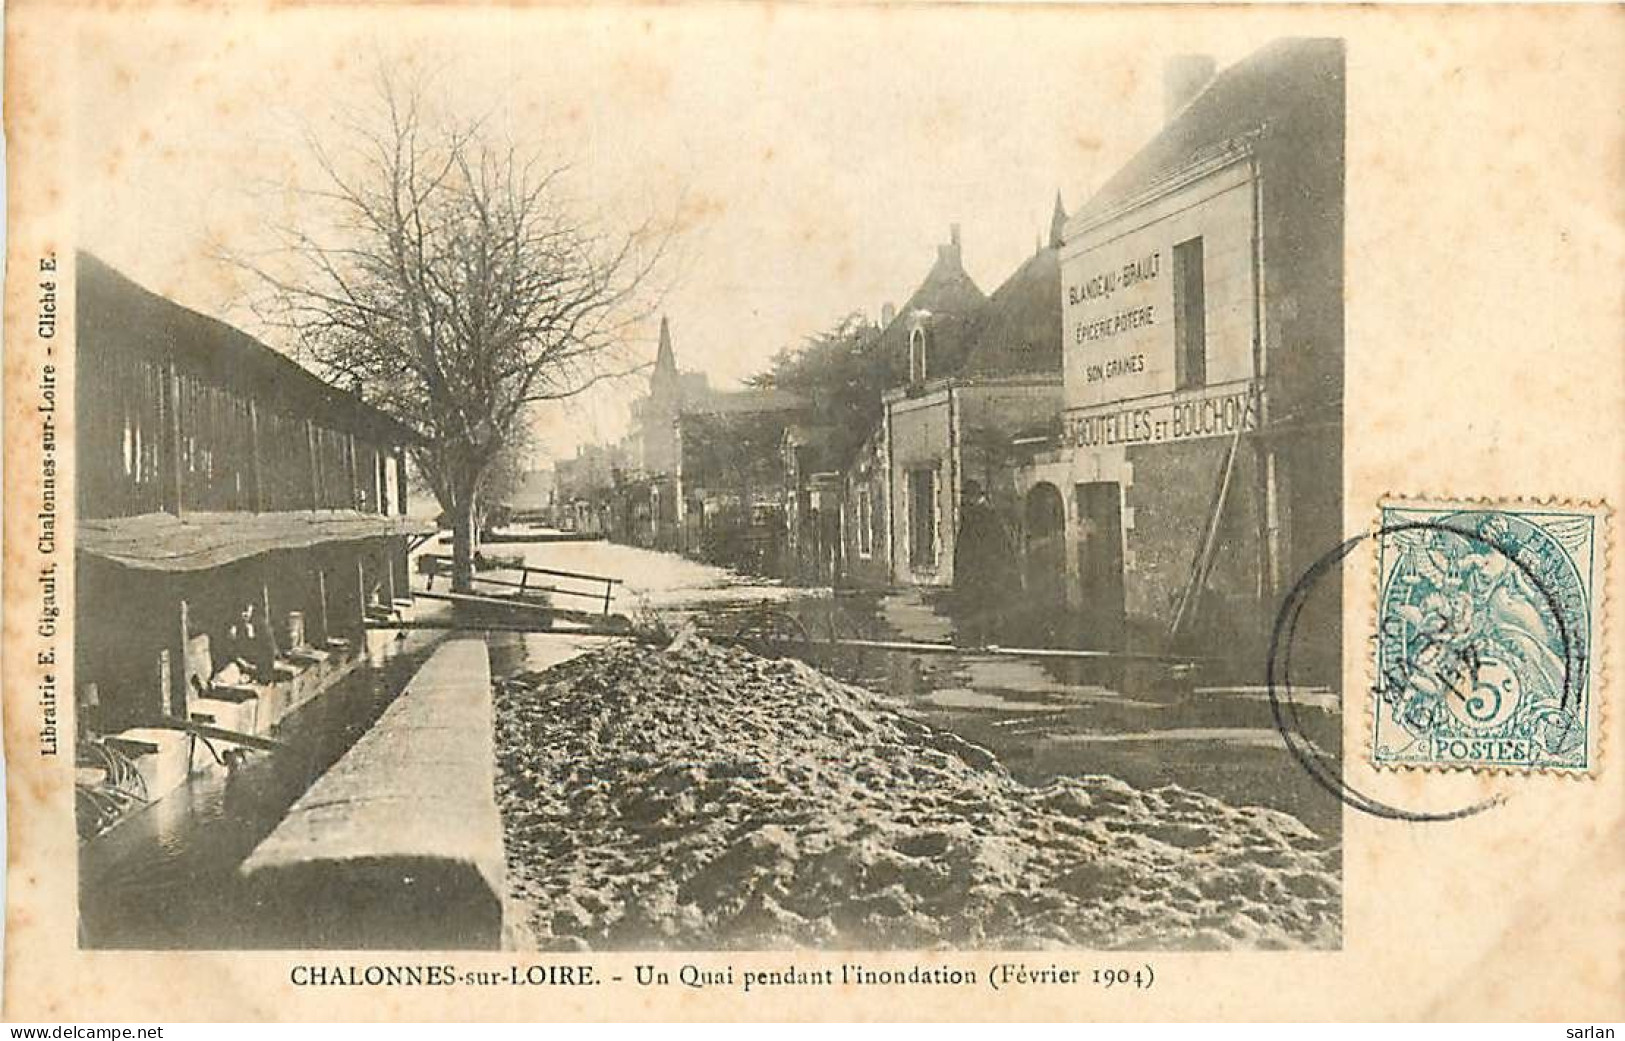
928, 337
1198, 470
968, 375
702, 466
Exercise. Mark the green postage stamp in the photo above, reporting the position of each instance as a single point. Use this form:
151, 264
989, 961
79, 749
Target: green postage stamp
1489, 617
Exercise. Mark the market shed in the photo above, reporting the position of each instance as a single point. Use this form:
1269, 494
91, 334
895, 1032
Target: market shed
238, 519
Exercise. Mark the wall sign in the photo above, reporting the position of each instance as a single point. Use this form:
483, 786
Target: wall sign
1213, 412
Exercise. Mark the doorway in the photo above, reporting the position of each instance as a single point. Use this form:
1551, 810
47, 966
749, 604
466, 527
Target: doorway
1045, 517
1100, 561
922, 519
1044, 608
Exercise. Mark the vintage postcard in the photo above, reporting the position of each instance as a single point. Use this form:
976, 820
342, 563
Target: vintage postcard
763, 511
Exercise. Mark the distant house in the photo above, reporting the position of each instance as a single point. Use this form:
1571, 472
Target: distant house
812, 506
703, 465
730, 487
583, 489
968, 374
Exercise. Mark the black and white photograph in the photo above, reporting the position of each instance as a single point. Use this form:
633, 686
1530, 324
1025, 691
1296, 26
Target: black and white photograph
616, 492
708, 514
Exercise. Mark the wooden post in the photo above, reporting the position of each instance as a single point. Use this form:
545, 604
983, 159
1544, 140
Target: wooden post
255, 463
382, 475
166, 681
265, 618
177, 670
353, 466
321, 605
400, 482
389, 576
175, 486
315, 466
400, 559
361, 591
609, 588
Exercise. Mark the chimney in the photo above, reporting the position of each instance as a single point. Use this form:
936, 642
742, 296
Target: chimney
1183, 77
949, 252
888, 311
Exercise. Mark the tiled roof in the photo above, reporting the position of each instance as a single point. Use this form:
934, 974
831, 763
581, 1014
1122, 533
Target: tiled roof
1287, 84
955, 302
1019, 331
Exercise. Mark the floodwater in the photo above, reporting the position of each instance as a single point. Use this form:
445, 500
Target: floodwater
165, 877
1210, 727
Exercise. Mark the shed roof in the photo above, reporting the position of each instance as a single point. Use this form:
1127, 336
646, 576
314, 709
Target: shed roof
199, 541
115, 312
736, 402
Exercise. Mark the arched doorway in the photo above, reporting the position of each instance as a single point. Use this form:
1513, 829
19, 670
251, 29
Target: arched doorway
1045, 561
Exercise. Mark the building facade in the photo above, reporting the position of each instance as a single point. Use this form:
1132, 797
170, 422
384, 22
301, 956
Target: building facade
583, 488
865, 517
1199, 462
972, 374
812, 505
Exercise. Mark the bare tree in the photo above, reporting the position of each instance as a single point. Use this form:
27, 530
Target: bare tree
447, 274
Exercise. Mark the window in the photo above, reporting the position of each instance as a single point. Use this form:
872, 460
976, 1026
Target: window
1190, 316
865, 523
916, 356
922, 519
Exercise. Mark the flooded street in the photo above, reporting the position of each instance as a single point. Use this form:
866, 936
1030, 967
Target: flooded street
166, 877
1208, 727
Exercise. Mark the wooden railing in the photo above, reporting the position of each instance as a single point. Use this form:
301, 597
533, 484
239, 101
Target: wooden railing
441, 565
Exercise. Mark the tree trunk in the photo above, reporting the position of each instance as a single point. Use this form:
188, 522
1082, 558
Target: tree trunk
462, 545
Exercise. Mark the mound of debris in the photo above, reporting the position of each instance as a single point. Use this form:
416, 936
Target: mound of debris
701, 797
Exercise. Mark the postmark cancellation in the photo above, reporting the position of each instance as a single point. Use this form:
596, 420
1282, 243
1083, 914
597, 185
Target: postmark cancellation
1489, 617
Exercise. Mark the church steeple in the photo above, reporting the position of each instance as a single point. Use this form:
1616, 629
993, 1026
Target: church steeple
1057, 223
663, 380
665, 360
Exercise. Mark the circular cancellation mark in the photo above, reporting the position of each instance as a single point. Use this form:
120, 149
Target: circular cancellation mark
1463, 659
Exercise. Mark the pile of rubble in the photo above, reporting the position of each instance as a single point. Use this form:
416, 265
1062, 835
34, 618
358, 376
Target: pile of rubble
702, 797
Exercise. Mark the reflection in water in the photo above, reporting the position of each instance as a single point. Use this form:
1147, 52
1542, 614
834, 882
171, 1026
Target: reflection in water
165, 877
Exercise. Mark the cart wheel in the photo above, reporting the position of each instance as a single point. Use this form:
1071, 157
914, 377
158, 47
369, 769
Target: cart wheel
773, 633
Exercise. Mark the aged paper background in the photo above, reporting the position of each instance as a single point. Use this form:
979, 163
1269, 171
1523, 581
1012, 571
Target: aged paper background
1485, 324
